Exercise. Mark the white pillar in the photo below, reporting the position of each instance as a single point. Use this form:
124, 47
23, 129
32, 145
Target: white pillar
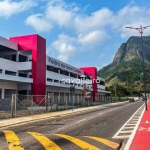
3, 71
3, 93
17, 57
17, 60
28, 92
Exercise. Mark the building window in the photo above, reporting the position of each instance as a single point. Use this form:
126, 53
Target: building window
64, 72
49, 80
10, 73
53, 69
73, 75
22, 58
56, 81
79, 77
1, 71
62, 82
102, 83
22, 75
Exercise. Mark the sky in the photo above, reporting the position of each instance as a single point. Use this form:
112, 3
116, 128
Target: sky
81, 33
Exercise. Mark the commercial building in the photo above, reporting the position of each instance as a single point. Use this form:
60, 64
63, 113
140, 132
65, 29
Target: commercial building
25, 69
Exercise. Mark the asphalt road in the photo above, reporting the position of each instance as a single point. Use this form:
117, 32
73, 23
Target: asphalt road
89, 130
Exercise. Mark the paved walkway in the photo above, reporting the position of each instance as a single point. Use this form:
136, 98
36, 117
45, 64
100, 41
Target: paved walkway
141, 139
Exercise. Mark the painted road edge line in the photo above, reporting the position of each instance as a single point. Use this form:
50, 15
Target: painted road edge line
116, 135
134, 132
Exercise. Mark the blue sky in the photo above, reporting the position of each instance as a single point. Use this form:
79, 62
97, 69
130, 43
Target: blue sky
80, 32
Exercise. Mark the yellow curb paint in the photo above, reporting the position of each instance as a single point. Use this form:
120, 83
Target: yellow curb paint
47, 143
80, 143
104, 141
13, 141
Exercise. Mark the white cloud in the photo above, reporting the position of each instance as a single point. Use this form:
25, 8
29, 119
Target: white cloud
102, 55
65, 46
59, 15
38, 23
96, 21
94, 38
89, 30
9, 7
131, 15
102, 65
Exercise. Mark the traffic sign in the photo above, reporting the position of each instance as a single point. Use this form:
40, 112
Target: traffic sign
72, 89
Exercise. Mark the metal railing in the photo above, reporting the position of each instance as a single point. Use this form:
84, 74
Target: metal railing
23, 105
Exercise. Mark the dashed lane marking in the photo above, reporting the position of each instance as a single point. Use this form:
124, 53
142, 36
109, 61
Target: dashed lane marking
47, 143
81, 120
80, 143
13, 141
104, 141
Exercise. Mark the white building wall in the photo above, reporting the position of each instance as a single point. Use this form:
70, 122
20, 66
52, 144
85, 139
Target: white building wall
7, 85
59, 64
8, 43
8, 65
102, 87
24, 65
6, 78
59, 90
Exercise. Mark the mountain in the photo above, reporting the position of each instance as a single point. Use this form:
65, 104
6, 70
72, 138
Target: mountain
126, 67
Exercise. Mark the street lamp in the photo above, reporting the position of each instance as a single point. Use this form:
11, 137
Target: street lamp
141, 29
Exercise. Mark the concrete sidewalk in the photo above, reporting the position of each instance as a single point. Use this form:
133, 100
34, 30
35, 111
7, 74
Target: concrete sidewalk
141, 140
22, 120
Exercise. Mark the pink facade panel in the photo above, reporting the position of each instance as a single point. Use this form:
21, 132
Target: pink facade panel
37, 45
92, 71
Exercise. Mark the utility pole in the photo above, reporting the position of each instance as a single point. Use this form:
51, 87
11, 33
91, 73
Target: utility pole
141, 29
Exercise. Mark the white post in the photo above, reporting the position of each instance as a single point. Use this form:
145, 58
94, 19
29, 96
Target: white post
15, 104
17, 60
66, 99
78, 99
3, 93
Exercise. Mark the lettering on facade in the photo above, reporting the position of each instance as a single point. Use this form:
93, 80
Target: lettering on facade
63, 65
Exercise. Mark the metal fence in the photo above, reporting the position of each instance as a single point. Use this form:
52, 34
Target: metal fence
23, 105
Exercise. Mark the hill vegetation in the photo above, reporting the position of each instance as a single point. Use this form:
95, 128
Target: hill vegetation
123, 74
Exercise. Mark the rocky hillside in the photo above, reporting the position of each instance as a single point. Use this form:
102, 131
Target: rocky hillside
127, 65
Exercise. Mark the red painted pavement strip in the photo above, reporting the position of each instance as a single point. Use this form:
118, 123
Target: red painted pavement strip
141, 140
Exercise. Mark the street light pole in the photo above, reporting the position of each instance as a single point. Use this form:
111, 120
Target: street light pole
141, 29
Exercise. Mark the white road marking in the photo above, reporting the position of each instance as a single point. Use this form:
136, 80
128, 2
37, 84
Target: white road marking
147, 121
129, 127
133, 133
129, 123
129, 131
100, 114
81, 120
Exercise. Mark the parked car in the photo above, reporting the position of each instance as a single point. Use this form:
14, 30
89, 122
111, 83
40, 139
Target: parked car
143, 98
131, 100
